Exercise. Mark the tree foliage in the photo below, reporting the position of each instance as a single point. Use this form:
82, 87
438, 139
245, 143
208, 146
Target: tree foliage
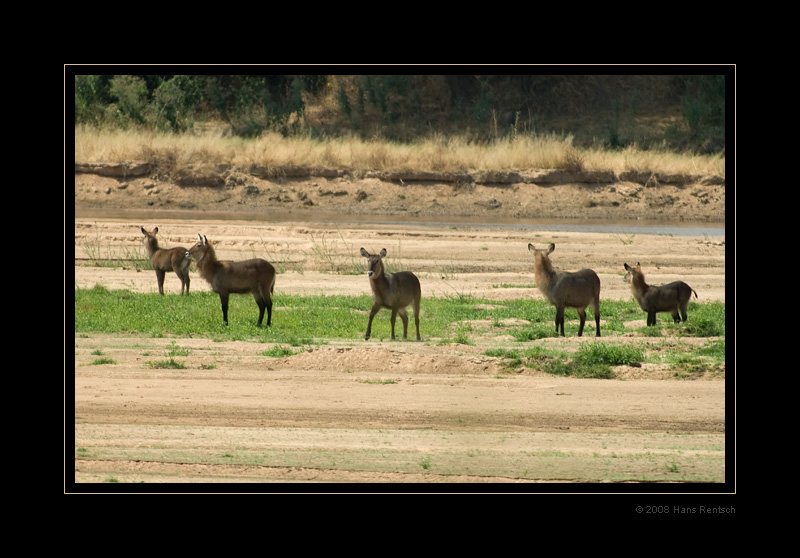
608, 109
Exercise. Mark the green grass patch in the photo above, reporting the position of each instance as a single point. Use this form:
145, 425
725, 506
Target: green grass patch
307, 320
706, 359
167, 364
104, 360
592, 359
279, 351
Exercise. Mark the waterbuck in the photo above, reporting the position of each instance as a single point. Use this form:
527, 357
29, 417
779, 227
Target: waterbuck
166, 259
256, 276
392, 290
672, 297
566, 289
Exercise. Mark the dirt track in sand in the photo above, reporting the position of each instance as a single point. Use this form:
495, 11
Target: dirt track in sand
381, 411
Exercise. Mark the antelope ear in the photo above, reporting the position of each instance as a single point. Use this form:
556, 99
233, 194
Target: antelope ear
626, 267
143, 231
199, 238
383, 253
155, 230
552, 247
205, 241
364, 253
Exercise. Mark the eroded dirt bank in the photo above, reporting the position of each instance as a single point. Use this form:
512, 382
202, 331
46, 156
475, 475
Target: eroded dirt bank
559, 198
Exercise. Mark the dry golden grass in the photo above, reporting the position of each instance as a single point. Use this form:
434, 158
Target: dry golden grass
437, 153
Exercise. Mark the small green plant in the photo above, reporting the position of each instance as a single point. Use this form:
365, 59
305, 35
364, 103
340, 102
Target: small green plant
104, 360
278, 351
626, 239
167, 364
461, 336
425, 462
174, 350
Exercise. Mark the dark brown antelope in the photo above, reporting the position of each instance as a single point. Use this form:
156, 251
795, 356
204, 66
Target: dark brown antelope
392, 290
566, 289
673, 297
256, 276
166, 259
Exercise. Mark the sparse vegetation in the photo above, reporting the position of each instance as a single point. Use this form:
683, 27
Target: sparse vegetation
110, 256
171, 363
104, 360
310, 320
452, 154
278, 351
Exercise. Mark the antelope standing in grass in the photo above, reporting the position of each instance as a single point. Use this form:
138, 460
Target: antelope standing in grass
166, 259
392, 290
566, 289
673, 297
255, 276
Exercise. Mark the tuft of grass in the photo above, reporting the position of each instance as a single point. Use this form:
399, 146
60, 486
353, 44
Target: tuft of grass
174, 350
167, 364
278, 351
104, 360
531, 333
626, 239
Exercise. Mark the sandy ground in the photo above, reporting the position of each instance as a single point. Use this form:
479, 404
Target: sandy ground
382, 411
